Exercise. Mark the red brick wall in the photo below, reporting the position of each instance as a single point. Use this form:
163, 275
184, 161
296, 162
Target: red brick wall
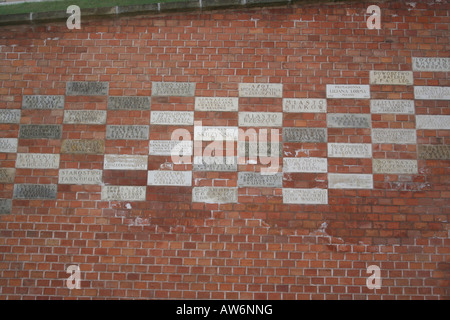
168, 247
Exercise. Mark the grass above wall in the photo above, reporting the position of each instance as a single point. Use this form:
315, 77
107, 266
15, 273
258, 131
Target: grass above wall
62, 5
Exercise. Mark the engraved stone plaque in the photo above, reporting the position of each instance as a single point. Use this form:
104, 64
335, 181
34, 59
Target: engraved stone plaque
10, 116
396, 136
174, 89
309, 135
121, 132
216, 133
87, 88
170, 178
319, 165
37, 161
85, 117
43, 102
80, 177
432, 93
169, 147
125, 162
305, 196
5, 206
349, 150
8, 145
431, 64
347, 120
215, 164
262, 90
40, 131
215, 195
258, 180
305, 105
123, 193
35, 191
260, 119
253, 149
392, 106
394, 166
348, 91
434, 152
350, 181
129, 103
391, 77
438, 122
7, 175
217, 104
73, 146
172, 118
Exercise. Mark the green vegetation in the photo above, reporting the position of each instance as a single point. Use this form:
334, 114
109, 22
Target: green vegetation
62, 5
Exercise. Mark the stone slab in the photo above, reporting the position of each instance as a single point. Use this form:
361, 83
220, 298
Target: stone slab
125, 162
7, 175
431, 93
348, 91
305, 135
316, 165
349, 120
173, 89
305, 105
395, 136
437, 122
350, 181
37, 161
169, 148
392, 107
129, 103
5, 206
258, 180
170, 178
434, 152
8, 145
217, 104
122, 132
394, 166
43, 102
216, 133
253, 149
172, 118
218, 195
87, 88
305, 196
260, 119
124, 193
391, 77
10, 116
431, 64
74, 146
84, 117
40, 131
35, 191
261, 90
80, 177
218, 164
349, 150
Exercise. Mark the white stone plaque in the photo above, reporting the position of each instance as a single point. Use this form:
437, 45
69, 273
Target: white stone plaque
350, 181
125, 162
319, 165
219, 164
348, 91
305, 105
349, 120
10, 116
175, 89
431, 64
392, 106
394, 166
305, 196
170, 178
43, 102
215, 195
262, 90
437, 122
87, 88
431, 93
216, 133
256, 179
37, 161
395, 136
170, 147
126, 132
84, 117
217, 104
391, 77
172, 118
123, 193
260, 119
349, 150
8, 145
80, 177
